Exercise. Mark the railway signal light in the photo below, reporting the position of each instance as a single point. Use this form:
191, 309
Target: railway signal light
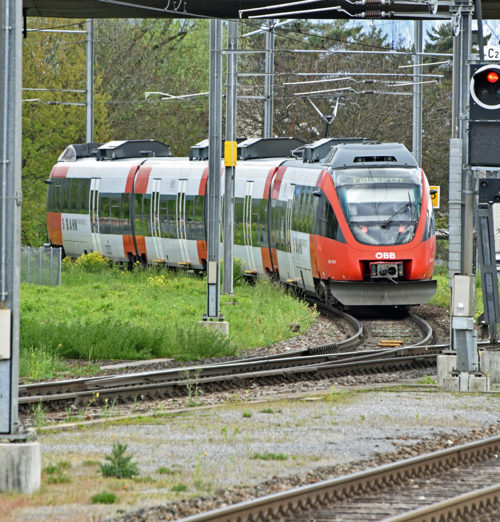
484, 115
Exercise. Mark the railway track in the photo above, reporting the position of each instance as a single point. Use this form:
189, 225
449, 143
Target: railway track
329, 360
460, 483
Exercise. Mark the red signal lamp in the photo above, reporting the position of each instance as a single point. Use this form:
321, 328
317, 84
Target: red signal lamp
493, 77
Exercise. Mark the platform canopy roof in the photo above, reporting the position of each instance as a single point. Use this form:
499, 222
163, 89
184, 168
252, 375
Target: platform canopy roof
398, 9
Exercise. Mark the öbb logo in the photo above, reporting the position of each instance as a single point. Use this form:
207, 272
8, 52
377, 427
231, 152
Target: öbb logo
385, 255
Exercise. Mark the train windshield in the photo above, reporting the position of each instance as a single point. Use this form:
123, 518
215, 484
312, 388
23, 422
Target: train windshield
382, 206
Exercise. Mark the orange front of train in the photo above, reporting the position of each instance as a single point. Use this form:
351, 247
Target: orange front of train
382, 250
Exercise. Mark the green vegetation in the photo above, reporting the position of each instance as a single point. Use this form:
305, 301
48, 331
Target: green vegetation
118, 465
164, 470
57, 472
269, 456
145, 313
38, 415
104, 497
269, 410
427, 379
443, 294
178, 488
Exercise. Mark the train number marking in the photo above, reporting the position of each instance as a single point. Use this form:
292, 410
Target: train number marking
385, 255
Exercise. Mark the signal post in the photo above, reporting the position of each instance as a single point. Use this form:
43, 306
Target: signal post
20, 460
474, 150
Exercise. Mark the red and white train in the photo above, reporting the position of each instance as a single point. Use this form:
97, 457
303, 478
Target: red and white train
350, 222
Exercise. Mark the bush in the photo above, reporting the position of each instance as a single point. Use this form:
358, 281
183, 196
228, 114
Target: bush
118, 465
104, 497
93, 263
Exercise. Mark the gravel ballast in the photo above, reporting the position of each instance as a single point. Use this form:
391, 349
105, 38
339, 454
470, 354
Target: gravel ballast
241, 449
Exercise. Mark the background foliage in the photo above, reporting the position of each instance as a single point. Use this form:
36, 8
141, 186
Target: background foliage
171, 56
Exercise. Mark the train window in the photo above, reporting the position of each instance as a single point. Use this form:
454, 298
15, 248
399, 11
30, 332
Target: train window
190, 228
125, 225
66, 195
263, 203
104, 215
311, 204
279, 234
382, 206
75, 196
199, 222
140, 220
54, 195
328, 223
84, 195
194, 217
172, 216
257, 226
115, 215
430, 226
164, 218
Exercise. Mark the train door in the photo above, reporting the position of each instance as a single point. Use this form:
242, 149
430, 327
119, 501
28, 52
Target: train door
247, 227
290, 239
94, 214
180, 218
156, 220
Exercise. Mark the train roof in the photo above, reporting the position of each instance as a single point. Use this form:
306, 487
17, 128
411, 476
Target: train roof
370, 155
113, 150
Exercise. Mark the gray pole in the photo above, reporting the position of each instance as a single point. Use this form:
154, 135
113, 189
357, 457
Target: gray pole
230, 157
10, 209
269, 81
467, 178
464, 337
89, 134
417, 91
454, 89
214, 169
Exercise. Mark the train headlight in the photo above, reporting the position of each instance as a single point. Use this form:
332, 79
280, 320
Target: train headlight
386, 270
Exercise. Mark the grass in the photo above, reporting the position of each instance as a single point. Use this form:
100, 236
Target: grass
114, 314
443, 293
269, 456
56, 473
104, 497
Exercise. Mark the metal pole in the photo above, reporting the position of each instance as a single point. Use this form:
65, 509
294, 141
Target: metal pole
269, 81
417, 91
230, 157
463, 334
454, 90
89, 103
480, 35
214, 169
10, 208
468, 178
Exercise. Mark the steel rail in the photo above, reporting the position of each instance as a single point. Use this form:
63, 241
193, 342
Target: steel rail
330, 491
456, 508
82, 383
317, 362
179, 388
231, 369
425, 327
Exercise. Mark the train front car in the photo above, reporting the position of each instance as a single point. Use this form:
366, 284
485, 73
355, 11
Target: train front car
386, 250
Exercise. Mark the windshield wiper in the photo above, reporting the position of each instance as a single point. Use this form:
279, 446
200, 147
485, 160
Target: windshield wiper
404, 206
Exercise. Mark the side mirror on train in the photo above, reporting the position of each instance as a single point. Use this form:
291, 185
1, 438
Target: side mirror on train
317, 193
48, 181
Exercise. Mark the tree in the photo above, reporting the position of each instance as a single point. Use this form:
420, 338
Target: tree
169, 56
51, 61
